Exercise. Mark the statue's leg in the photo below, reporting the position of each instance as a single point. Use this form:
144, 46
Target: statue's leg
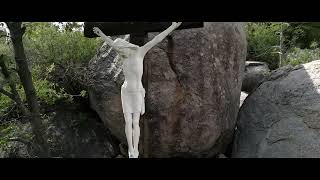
136, 134
128, 131
143, 108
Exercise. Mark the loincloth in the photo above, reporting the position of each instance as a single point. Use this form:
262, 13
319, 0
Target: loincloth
132, 101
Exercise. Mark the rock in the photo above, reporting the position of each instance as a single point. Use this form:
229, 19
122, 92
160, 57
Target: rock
193, 95
14, 142
78, 134
123, 150
15, 149
106, 78
120, 156
72, 133
255, 73
193, 91
281, 118
222, 156
243, 97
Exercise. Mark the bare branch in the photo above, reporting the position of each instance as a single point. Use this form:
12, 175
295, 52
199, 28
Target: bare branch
8, 112
7, 94
20, 140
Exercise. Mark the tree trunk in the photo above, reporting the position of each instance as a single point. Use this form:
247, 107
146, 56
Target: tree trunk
16, 33
15, 95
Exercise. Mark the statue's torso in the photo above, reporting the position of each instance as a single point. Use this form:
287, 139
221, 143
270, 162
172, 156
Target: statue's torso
132, 67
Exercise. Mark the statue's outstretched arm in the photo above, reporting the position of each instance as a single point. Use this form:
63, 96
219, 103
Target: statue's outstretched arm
160, 37
107, 39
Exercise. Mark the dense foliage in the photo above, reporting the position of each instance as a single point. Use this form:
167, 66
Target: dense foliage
49, 46
262, 39
298, 43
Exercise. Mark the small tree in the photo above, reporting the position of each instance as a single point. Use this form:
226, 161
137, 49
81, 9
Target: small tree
280, 47
16, 34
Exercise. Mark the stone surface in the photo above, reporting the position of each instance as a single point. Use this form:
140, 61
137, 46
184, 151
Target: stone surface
78, 134
255, 73
222, 156
106, 78
72, 133
193, 91
281, 118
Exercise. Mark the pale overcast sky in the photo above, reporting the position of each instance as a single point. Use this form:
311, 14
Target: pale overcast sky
55, 23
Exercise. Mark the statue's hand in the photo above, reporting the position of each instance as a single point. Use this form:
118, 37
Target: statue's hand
176, 24
97, 31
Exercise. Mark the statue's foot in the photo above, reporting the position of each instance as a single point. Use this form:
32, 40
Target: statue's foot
131, 155
136, 153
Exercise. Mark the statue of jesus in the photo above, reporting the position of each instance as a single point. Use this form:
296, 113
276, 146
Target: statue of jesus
132, 91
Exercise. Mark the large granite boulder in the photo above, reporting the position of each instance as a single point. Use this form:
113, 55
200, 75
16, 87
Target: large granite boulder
255, 73
105, 80
193, 84
281, 118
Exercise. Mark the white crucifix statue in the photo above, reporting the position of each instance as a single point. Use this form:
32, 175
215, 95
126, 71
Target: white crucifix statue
132, 90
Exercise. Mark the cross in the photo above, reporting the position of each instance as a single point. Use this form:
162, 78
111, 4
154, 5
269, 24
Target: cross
138, 35
132, 28
138, 32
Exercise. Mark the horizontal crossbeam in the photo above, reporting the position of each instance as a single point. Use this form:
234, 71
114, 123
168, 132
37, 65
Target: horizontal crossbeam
122, 28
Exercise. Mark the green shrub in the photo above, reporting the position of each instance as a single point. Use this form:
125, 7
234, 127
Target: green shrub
69, 50
5, 103
262, 39
48, 92
46, 44
13, 130
302, 34
296, 56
